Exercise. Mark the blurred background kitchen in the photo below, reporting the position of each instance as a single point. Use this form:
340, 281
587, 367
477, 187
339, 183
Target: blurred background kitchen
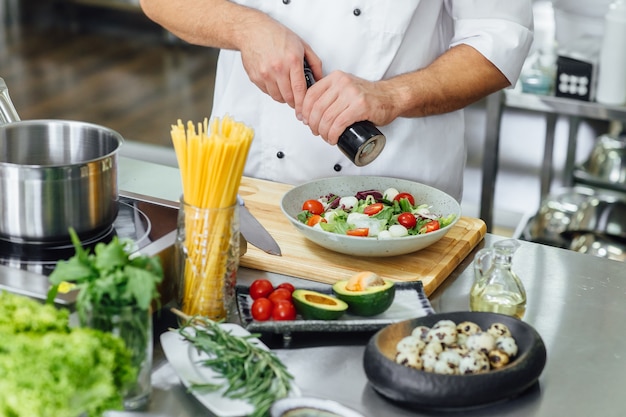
102, 61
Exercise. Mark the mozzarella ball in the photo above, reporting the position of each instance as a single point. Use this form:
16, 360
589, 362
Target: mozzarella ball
446, 335
390, 193
468, 328
384, 234
474, 362
397, 230
498, 329
507, 345
348, 202
481, 342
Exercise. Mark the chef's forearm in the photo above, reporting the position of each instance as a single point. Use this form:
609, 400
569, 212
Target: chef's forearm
212, 23
456, 79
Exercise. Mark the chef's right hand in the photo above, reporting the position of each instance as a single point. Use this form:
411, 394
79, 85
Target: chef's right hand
273, 57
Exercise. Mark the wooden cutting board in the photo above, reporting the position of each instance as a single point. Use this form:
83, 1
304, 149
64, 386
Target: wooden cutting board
304, 259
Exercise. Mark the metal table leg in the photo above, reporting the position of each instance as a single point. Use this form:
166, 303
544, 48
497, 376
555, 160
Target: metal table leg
570, 159
495, 107
548, 152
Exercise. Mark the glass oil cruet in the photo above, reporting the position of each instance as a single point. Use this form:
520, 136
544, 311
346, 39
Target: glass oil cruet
496, 287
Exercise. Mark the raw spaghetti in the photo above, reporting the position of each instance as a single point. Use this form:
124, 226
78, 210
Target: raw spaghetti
211, 163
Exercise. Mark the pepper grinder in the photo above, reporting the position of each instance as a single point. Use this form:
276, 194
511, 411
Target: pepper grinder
361, 142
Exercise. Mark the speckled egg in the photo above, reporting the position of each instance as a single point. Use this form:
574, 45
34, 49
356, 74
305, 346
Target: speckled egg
474, 362
507, 345
433, 346
468, 328
429, 360
410, 344
409, 359
444, 323
445, 368
421, 332
498, 330
446, 335
481, 342
498, 359
451, 357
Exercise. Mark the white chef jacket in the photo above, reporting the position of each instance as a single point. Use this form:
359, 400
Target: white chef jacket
373, 39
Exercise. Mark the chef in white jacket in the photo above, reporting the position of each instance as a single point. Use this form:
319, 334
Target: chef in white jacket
408, 66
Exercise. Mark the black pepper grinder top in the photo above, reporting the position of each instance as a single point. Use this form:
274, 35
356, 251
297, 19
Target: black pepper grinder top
361, 142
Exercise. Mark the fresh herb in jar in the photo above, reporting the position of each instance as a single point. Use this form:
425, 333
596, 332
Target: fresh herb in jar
109, 282
251, 372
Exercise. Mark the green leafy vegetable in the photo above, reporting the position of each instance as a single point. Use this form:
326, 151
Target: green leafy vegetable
250, 372
50, 369
111, 283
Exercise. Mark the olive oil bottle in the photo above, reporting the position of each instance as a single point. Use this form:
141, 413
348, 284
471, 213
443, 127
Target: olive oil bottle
497, 288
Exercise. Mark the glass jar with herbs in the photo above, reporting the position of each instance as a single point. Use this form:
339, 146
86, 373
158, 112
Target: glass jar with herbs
115, 294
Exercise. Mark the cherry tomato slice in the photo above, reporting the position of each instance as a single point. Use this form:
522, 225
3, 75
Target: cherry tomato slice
286, 285
407, 196
280, 294
373, 209
284, 310
261, 309
359, 231
315, 219
431, 226
407, 220
261, 288
313, 206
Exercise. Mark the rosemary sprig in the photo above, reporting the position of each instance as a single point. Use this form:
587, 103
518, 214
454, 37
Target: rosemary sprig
250, 372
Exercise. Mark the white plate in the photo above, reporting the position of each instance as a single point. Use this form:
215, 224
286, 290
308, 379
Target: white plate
184, 358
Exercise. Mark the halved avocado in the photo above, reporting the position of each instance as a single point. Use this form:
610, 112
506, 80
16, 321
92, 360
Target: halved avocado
313, 305
370, 301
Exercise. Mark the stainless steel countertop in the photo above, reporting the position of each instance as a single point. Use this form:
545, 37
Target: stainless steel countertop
576, 302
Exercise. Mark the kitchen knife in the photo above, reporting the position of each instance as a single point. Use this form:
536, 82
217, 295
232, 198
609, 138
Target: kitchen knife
254, 232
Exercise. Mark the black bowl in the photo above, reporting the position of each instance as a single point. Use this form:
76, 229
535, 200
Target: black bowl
427, 390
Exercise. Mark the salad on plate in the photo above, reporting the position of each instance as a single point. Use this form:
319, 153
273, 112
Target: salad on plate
372, 213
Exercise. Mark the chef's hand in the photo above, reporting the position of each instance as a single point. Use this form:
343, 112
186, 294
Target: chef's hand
338, 100
273, 56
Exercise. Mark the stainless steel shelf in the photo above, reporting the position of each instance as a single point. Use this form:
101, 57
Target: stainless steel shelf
552, 107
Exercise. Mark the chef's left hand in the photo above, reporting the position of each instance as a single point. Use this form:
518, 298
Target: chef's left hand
339, 99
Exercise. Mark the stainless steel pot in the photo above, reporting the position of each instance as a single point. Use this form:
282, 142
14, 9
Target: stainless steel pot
55, 174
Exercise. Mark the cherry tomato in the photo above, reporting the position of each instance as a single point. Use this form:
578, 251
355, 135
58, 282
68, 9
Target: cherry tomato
405, 195
262, 309
373, 209
313, 206
280, 294
359, 231
286, 285
431, 226
315, 219
261, 288
284, 310
407, 220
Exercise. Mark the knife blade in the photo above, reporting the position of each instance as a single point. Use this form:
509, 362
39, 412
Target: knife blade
254, 232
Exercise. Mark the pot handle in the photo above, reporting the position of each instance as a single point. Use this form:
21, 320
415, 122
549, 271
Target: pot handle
8, 113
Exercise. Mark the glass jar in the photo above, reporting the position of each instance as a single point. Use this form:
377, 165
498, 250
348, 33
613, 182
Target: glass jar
134, 326
207, 259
